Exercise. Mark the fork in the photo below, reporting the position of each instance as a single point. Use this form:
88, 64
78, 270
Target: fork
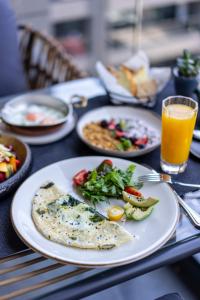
159, 177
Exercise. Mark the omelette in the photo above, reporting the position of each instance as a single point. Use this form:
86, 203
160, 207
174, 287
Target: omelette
67, 221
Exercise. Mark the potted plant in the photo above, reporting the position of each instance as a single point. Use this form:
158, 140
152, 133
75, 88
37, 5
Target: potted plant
186, 73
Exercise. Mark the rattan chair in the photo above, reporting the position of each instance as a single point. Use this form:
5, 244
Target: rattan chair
45, 60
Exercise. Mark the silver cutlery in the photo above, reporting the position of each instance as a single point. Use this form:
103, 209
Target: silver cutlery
196, 134
191, 213
159, 177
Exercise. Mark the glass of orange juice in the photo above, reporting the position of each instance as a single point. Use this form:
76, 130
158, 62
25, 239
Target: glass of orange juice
178, 120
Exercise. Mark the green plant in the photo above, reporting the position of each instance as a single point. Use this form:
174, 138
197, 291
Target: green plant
187, 65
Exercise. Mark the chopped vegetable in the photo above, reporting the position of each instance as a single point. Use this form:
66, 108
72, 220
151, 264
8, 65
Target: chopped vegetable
115, 213
126, 143
9, 164
105, 166
137, 213
139, 201
131, 190
104, 182
80, 177
141, 141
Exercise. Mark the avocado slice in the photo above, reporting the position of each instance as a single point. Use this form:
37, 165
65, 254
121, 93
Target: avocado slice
9, 170
136, 213
141, 214
139, 201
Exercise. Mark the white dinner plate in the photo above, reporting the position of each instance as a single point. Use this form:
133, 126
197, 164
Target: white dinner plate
124, 112
150, 234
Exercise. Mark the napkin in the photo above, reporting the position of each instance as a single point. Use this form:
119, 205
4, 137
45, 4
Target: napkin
119, 94
193, 199
88, 87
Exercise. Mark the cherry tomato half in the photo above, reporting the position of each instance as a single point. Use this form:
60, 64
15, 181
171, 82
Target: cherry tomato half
131, 190
80, 177
115, 213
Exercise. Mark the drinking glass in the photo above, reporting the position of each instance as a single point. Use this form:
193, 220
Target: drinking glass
178, 120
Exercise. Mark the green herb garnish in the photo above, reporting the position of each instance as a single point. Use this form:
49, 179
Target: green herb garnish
96, 218
100, 186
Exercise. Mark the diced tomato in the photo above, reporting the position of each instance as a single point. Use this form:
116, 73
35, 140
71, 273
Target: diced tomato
141, 141
119, 134
18, 163
2, 176
111, 125
80, 177
133, 191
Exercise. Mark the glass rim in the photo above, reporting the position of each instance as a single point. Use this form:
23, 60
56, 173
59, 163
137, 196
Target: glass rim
183, 97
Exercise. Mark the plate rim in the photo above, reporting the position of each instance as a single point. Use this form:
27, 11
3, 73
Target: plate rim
123, 154
33, 140
122, 262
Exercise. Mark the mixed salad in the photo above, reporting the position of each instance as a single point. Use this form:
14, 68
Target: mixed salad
9, 163
120, 134
128, 132
107, 181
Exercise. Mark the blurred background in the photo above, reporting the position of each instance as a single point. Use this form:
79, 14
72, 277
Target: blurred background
109, 30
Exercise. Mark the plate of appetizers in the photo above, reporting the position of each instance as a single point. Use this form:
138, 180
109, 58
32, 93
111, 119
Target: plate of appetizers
120, 130
15, 159
92, 212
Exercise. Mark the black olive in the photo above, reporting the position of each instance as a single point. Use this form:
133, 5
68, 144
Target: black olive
133, 140
142, 146
104, 124
118, 127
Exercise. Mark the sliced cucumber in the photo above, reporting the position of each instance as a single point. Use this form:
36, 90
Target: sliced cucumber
136, 213
139, 201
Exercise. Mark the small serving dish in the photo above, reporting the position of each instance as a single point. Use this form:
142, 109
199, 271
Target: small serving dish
23, 154
143, 125
36, 114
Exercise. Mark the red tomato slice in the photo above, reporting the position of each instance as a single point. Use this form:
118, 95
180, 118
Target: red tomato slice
133, 191
119, 134
80, 177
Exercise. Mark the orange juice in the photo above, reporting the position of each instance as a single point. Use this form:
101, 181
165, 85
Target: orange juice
178, 121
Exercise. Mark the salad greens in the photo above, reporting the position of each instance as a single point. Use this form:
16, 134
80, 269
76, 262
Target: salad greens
124, 144
105, 182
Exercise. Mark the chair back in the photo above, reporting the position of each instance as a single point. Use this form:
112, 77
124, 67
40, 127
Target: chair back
45, 60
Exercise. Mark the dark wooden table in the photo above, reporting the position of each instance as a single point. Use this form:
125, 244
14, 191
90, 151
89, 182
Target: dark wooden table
185, 243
